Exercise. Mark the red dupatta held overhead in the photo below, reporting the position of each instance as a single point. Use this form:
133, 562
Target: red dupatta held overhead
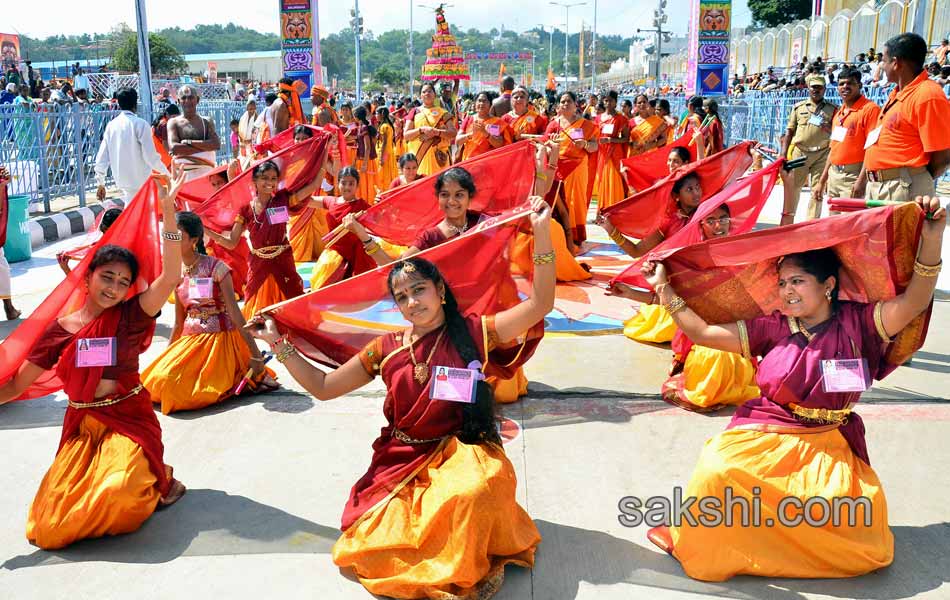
735, 279
298, 165
504, 178
137, 230
334, 323
285, 139
641, 214
645, 170
745, 198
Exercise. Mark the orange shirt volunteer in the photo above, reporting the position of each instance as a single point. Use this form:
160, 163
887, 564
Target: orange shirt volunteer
913, 125
855, 123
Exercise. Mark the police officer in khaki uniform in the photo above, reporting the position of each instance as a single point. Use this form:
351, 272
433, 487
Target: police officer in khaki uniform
808, 135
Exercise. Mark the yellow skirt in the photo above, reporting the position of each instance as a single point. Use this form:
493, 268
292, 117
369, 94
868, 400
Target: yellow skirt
575, 194
712, 379
447, 532
329, 261
566, 266
387, 172
801, 465
269, 293
99, 484
197, 370
651, 324
367, 186
429, 164
307, 244
608, 188
506, 391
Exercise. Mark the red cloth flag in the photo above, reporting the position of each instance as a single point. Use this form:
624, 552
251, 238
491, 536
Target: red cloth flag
137, 230
733, 278
504, 178
285, 139
646, 169
333, 323
745, 199
298, 165
641, 214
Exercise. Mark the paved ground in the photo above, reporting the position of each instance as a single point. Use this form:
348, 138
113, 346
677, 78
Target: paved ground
268, 477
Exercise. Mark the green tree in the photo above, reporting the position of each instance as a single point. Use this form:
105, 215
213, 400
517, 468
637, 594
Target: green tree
770, 13
165, 58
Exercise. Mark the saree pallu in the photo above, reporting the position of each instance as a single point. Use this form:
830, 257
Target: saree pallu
710, 379
387, 151
430, 117
530, 123
652, 323
573, 178
480, 142
646, 134
307, 229
803, 464
434, 517
609, 187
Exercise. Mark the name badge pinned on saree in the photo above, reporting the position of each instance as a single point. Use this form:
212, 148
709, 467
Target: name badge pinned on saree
838, 133
872, 137
453, 384
576, 134
278, 215
493, 130
96, 352
607, 129
200, 287
848, 375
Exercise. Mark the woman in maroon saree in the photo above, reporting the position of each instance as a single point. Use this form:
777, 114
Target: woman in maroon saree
109, 474
801, 438
272, 275
435, 514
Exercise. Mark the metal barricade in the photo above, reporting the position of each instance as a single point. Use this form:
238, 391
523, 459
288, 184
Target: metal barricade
50, 149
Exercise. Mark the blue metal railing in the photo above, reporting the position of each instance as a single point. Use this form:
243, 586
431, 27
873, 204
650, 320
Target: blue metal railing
50, 149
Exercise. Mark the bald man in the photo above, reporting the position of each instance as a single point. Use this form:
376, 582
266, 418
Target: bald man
192, 139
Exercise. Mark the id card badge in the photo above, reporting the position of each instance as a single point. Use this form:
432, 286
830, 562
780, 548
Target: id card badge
453, 384
529, 119
872, 137
494, 130
607, 129
278, 215
96, 352
838, 133
816, 120
200, 288
576, 134
848, 375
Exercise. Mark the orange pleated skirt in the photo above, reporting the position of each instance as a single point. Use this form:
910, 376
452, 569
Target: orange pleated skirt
269, 293
566, 266
801, 465
197, 370
367, 186
99, 484
652, 323
447, 532
506, 391
575, 194
307, 244
608, 188
387, 172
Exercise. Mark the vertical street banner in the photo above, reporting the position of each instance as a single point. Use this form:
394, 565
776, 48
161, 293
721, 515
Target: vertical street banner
300, 42
9, 51
708, 67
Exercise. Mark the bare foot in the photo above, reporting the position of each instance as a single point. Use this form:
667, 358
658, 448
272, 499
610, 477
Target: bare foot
175, 492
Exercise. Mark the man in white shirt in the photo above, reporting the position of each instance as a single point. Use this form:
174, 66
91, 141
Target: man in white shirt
128, 148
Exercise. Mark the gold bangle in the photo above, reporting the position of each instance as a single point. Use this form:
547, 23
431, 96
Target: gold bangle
541, 176
285, 353
617, 237
927, 270
675, 305
544, 259
171, 236
371, 248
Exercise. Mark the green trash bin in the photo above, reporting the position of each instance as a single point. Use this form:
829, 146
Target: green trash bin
18, 246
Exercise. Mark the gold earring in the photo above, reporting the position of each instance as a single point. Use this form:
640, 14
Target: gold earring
443, 299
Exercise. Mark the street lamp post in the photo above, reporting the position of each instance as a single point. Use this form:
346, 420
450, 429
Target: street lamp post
410, 49
593, 58
357, 24
567, 17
